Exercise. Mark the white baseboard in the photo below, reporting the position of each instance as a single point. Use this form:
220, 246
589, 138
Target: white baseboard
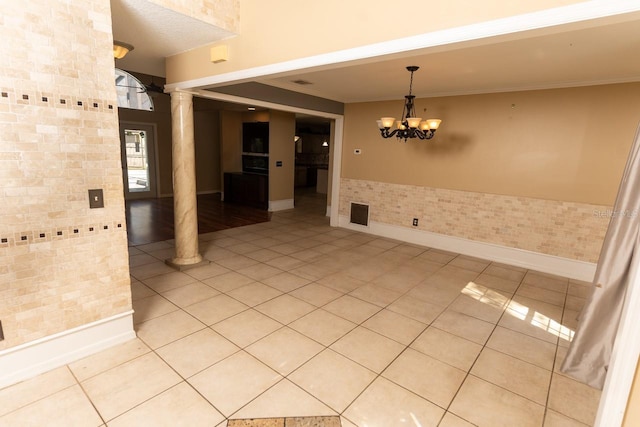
28, 360
280, 205
551, 264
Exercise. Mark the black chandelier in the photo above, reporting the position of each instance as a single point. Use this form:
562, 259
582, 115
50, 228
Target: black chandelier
409, 126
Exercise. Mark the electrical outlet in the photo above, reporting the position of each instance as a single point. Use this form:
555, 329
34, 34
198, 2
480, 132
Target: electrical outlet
415, 222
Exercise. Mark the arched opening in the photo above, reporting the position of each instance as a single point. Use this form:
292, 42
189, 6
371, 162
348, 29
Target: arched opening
131, 92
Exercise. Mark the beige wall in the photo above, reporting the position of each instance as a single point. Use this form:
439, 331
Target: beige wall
53, 278
564, 144
282, 128
231, 141
536, 170
274, 33
632, 416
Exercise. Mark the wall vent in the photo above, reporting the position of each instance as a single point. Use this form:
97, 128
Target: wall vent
359, 214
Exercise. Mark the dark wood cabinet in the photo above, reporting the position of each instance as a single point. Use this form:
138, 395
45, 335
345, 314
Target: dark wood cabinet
247, 189
255, 147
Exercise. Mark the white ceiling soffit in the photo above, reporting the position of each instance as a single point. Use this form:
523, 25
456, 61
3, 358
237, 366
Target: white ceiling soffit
155, 33
596, 55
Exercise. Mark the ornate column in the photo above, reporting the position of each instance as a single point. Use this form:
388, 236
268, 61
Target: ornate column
184, 182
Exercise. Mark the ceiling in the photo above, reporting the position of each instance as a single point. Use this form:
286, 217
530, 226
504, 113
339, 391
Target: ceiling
599, 51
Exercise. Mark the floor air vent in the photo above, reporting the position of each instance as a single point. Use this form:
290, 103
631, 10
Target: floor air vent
359, 214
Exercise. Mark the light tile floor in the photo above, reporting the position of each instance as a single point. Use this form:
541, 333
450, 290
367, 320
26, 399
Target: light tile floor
295, 318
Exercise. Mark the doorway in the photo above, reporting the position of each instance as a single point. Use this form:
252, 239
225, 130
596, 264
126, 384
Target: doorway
137, 141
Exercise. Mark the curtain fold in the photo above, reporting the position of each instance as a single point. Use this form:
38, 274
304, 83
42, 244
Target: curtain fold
588, 356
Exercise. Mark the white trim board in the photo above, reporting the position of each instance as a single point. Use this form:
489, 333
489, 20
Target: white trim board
564, 267
624, 357
280, 205
30, 359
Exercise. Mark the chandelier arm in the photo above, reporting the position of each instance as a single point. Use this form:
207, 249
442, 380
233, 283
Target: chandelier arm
386, 134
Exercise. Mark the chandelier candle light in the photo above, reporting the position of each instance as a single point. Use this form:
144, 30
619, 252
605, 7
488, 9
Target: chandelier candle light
409, 126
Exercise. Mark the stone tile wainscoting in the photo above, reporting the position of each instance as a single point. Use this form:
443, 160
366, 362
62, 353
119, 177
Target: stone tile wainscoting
564, 229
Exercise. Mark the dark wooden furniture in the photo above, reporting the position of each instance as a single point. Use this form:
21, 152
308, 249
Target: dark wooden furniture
248, 189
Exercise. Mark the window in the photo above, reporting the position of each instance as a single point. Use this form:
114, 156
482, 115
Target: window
131, 92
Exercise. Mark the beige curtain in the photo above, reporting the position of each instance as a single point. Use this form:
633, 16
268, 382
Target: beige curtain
588, 357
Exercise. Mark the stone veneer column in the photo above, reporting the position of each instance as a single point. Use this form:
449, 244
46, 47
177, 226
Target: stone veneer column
184, 182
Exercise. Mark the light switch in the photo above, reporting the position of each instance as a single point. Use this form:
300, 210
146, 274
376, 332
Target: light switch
96, 200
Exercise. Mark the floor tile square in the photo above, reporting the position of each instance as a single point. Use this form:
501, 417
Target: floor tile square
368, 348
478, 308
376, 295
485, 404
99, 362
470, 263
117, 390
505, 272
447, 348
541, 294
228, 281
31, 390
497, 283
513, 374
140, 290
352, 309
286, 282
434, 294
574, 399
341, 282
254, 293
555, 419
246, 328
316, 294
286, 263
322, 326
538, 352
180, 405
168, 281
165, 329
464, 326
263, 255
338, 390
215, 309
284, 399
260, 271
284, 350
149, 270
427, 377
236, 262
221, 383
395, 326
285, 308
190, 294
204, 348
151, 307
66, 408
416, 309
385, 404
450, 420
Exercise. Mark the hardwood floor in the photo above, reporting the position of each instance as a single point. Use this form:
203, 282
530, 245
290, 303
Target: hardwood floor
151, 220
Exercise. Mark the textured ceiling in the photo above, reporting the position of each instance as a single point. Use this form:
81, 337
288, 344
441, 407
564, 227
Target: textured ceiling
155, 33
